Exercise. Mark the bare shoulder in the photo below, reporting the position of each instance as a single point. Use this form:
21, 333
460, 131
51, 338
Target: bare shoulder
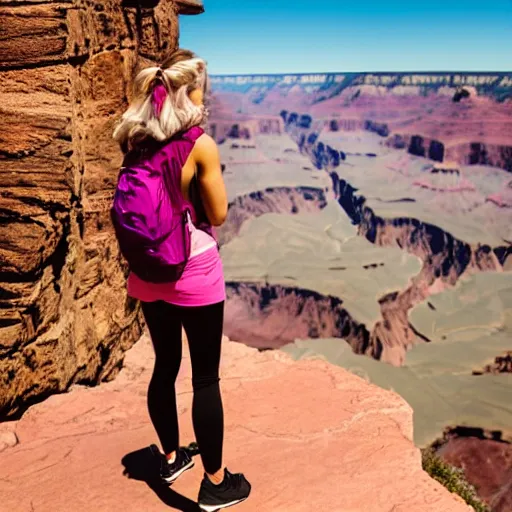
206, 148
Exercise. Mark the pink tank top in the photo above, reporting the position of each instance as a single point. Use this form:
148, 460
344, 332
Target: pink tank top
201, 284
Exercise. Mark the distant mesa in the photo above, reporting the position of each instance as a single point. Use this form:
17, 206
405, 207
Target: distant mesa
223, 129
444, 177
465, 153
418, 145
445, 168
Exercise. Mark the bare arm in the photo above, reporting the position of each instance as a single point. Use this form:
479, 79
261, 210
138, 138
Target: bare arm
211, 183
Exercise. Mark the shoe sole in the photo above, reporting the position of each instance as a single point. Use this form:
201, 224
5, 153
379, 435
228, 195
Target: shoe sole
214, 508
176, 475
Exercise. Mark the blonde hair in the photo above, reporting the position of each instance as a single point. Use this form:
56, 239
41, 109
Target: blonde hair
182, 73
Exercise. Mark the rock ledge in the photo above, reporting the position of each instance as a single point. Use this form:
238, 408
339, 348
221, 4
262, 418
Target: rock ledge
305, 433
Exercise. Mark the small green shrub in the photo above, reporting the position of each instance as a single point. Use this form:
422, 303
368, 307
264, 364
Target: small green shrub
452, 478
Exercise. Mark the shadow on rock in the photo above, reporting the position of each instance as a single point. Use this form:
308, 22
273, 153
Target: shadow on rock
144, 465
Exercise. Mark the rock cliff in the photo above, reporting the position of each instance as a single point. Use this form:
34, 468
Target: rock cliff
445, 258
485, 458
65, 70
299, 452
468, 153
275, 315
501, 364
278, 200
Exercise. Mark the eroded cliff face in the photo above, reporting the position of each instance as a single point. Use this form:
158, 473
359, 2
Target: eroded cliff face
283, 314
224, 128
288, 200
485, 458
65, 70
444, 257
472, 153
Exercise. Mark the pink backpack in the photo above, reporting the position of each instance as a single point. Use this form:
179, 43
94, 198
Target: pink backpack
150, 214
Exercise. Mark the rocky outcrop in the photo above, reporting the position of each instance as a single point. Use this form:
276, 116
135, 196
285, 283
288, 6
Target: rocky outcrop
189, 6
273, 315
222, 129
289, 200
480, 153
381, 129
329, 451
501, 364
65, 73
470, 153
486, 459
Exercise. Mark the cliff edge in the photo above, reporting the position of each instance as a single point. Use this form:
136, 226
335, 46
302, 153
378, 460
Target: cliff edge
305, 433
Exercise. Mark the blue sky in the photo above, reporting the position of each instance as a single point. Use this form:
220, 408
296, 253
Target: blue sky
288, 36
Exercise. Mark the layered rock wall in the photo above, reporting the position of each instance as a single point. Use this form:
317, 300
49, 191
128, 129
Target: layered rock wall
65, 70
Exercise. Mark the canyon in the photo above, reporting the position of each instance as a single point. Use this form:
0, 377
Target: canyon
369, 223
286, 200
444, 258
408, 262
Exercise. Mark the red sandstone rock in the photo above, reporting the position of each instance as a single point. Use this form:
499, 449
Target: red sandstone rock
307, 434
486, 464
65, 74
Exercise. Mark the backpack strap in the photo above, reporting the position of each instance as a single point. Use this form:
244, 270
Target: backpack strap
192, 134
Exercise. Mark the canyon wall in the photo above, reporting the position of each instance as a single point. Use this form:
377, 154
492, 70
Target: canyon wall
65, 72
280, 199
485, 457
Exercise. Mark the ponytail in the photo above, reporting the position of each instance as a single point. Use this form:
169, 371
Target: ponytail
162, 107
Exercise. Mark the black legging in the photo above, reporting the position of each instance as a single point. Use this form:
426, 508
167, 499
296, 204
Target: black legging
203, 326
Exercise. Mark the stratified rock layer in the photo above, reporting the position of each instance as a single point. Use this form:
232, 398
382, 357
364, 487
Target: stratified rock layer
307, 434
65, 70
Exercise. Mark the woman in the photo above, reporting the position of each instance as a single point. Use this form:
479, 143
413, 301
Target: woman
160, 129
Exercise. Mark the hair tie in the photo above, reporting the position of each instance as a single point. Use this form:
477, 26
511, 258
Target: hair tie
157, 98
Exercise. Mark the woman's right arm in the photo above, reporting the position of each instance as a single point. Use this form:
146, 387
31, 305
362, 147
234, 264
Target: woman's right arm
211, 183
